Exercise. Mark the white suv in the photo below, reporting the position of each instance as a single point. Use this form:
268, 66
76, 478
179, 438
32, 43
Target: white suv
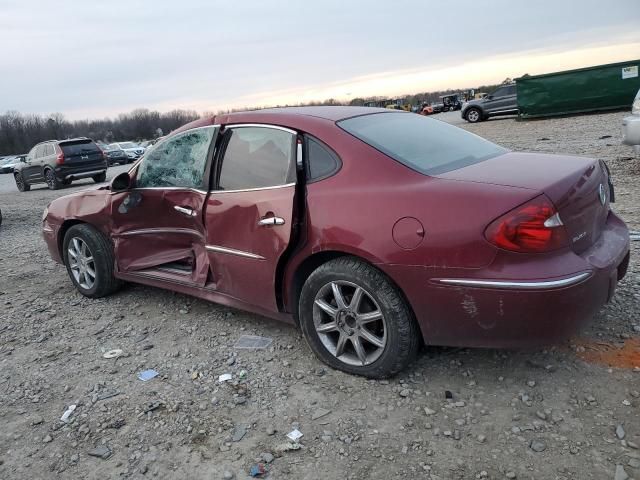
631, 126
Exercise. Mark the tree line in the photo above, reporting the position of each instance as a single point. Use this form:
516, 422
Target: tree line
20, 132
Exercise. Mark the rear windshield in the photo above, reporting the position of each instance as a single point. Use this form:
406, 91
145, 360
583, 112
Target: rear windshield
423, 144
79, 147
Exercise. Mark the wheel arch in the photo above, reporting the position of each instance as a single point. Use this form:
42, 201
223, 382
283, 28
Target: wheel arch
315, 260
477, 107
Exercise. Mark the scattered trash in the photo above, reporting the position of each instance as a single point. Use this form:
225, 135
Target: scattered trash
101, 451
448, 395
605, 136
238, 433
225, 377
257, 470
115, 353
543, 139
242, 374
295, 435
147, 375
150, 407
107, 394
252, 342
634, 236
195, 375
287, 447
319, 413
65, 416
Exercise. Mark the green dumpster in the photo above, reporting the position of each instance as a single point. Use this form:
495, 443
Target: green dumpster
603, 87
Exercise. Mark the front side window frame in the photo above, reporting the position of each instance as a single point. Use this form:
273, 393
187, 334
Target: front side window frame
205, 185
222, 147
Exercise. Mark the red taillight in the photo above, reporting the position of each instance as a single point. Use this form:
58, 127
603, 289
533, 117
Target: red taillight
60, 158
530, 228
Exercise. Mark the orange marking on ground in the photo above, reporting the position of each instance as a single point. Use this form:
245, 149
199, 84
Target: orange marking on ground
626, 355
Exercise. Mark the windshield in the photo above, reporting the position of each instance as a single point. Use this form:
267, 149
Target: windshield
127, 145
423, 144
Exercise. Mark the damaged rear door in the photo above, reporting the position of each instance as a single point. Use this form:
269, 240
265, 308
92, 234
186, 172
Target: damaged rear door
158, 226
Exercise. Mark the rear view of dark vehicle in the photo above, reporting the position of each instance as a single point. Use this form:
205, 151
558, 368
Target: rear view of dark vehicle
116, 155
59, 162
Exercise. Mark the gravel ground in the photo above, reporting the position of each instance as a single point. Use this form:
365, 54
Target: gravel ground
547, 414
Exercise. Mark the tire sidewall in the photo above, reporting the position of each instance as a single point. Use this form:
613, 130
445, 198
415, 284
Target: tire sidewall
314, 283
78, 231
474, 110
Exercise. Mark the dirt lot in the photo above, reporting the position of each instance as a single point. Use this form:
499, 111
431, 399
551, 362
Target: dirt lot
559, 413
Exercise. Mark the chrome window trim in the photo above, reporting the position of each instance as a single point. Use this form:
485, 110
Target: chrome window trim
204, 192
541, 285
263, 125
254, 189
233, 251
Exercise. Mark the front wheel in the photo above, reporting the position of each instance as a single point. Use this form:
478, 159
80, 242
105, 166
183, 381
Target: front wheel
100, 178
356, 320
21, 183
473, 115
89, 259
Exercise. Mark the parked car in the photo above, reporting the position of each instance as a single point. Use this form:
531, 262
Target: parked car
59, 162
426, 110
374, 230
7, 164
631, 126
451, 102
438, 107
116, 155
503, 101
132, 150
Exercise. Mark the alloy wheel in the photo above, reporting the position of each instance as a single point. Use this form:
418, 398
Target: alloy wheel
349, 323
473, 116
81, 263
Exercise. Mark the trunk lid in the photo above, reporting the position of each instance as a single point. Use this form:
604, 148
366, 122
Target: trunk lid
578, 187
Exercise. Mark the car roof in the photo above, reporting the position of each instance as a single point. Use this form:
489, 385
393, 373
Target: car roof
333, 112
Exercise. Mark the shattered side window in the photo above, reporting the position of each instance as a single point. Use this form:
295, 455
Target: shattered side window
177, 162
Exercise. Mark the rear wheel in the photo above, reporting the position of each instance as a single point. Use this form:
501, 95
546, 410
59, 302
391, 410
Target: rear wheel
356, 320
473, 115
52, 181
100, 178
21, 183
89, 259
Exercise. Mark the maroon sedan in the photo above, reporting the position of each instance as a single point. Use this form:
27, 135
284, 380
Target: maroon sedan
374, 230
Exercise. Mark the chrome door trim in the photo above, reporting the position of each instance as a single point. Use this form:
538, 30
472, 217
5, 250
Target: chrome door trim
541, 285
154, 231
186, 211
233, 251
195, 190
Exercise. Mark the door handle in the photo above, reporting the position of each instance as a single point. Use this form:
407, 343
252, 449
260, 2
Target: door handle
270, 221
185, 210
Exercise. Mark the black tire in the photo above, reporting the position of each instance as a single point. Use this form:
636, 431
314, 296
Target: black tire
403, 337
100, 178
103, 260
66, 182
473, 115
21, 183
52, 181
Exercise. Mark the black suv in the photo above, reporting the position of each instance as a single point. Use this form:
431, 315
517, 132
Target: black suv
59, 162
503, 101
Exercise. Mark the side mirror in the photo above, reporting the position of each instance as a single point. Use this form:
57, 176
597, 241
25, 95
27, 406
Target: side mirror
121, 182
23, 159
489, 97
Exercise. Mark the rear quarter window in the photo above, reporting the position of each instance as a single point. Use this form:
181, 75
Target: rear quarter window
423, 144
322, 162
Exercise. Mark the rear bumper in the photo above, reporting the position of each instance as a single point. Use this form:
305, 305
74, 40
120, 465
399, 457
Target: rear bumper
631, 130
68, 172
496, 307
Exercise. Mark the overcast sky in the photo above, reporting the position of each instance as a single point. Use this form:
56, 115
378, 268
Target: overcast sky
93, 59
